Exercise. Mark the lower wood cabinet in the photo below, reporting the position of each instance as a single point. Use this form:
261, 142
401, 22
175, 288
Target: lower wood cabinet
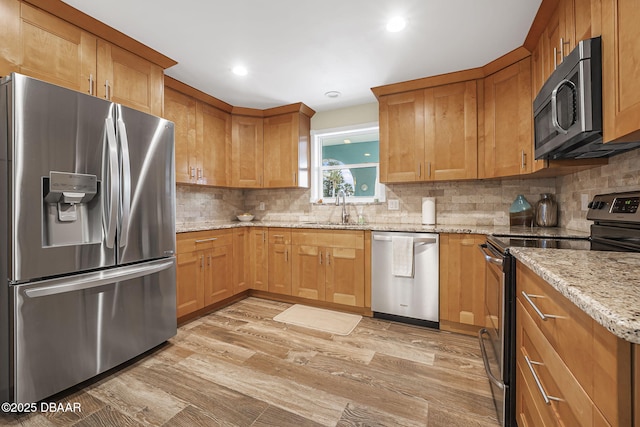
329, 266
463, 273
583, 370
279, 255
204, 269
258, 267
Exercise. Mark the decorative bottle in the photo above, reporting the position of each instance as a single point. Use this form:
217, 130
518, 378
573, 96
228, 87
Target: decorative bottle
521, 212
546, 211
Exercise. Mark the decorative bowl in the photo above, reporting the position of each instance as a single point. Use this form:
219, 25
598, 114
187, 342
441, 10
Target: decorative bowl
245, 217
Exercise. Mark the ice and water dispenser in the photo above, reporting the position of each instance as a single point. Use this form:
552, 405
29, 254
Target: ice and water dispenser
72, 213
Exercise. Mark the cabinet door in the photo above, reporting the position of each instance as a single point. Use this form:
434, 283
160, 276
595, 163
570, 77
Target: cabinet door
279, 262
462, 282
575, 22
241, 260
181, 109
345, 276
508, 120
308, 274
128, 79
56, 51
218, 282
10, 48
190, 284
402, 137
451, 132
281, 135
258, 253
247, 152
620, 70
213, 133
551, 37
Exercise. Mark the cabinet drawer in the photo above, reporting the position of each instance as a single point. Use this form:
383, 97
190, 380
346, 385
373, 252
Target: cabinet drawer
329, 238
569, 404
279, 236
566, 327
199, 240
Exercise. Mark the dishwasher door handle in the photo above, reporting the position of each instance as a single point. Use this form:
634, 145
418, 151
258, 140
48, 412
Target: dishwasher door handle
415, 239
485, 360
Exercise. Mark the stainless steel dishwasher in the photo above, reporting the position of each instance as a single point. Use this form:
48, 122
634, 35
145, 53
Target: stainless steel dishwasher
411, 298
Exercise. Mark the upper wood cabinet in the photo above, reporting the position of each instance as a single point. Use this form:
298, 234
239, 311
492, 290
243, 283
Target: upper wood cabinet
213, 136
56, 51
127, 79
247, 152
429, 134
181, 110
286, 150
52, 49
270, 148
620, 70
401, 136
10, 51
508, 117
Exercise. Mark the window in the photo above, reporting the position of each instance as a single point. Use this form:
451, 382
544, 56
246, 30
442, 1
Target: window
348, 160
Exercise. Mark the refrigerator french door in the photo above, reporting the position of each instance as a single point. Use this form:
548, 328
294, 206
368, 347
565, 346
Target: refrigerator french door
88, 236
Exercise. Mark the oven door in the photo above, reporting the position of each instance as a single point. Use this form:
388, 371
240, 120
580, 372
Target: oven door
492, 338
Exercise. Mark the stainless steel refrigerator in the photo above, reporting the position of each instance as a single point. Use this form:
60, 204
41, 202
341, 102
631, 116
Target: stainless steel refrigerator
87, 236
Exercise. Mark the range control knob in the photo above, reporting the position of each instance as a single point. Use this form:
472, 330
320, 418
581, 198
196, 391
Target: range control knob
600, 205
591, 204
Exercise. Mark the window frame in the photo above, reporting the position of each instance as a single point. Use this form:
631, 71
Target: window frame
317, 137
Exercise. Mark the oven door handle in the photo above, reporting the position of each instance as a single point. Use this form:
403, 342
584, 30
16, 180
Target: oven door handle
485, 360
488, 256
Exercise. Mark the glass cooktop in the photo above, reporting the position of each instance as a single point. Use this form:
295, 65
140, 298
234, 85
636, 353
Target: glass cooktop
541, 242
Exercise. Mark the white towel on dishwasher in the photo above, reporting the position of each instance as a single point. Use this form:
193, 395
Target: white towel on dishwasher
402, 256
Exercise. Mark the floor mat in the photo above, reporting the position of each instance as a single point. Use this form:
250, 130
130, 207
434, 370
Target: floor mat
320, 319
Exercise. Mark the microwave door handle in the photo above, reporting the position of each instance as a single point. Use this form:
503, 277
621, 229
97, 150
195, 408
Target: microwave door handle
554, 105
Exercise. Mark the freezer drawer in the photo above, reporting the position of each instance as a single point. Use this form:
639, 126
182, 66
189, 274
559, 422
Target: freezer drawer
70, 329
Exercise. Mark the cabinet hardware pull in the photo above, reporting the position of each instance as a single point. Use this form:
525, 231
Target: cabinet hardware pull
201, 262
545, 396
90, 84
555, 58
429, 170
209, 261
419, 170
264, 236
562, 43
286, 255
211, 239
523, 159
320, 254
295, 178
539, 312
192, 172
328, 258
106, 89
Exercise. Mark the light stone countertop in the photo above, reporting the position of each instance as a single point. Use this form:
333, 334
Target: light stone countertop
438, 228
605, 285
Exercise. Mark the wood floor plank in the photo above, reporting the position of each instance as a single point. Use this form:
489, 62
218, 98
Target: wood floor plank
364, 415
312, 404
221, 403
343, 387
143, 403
108, 417
278, 417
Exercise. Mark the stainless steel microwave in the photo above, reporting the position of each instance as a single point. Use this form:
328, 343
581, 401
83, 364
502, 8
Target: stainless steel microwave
568, 109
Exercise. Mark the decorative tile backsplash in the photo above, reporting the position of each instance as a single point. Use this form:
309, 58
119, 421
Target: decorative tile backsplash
482, 202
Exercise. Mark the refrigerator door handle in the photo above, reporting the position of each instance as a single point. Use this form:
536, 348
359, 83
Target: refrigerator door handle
126, 182
114, 184
94, 280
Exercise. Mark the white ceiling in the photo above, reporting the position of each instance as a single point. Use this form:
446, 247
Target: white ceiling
296, 50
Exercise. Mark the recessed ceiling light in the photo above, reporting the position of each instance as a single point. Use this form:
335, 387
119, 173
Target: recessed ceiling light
240, 70
396, 24
332, 94
347, 141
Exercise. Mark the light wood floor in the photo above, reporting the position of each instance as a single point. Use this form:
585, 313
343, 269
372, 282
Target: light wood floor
237, 367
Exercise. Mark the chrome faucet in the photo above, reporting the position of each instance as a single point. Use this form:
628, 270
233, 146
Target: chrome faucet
345, 215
